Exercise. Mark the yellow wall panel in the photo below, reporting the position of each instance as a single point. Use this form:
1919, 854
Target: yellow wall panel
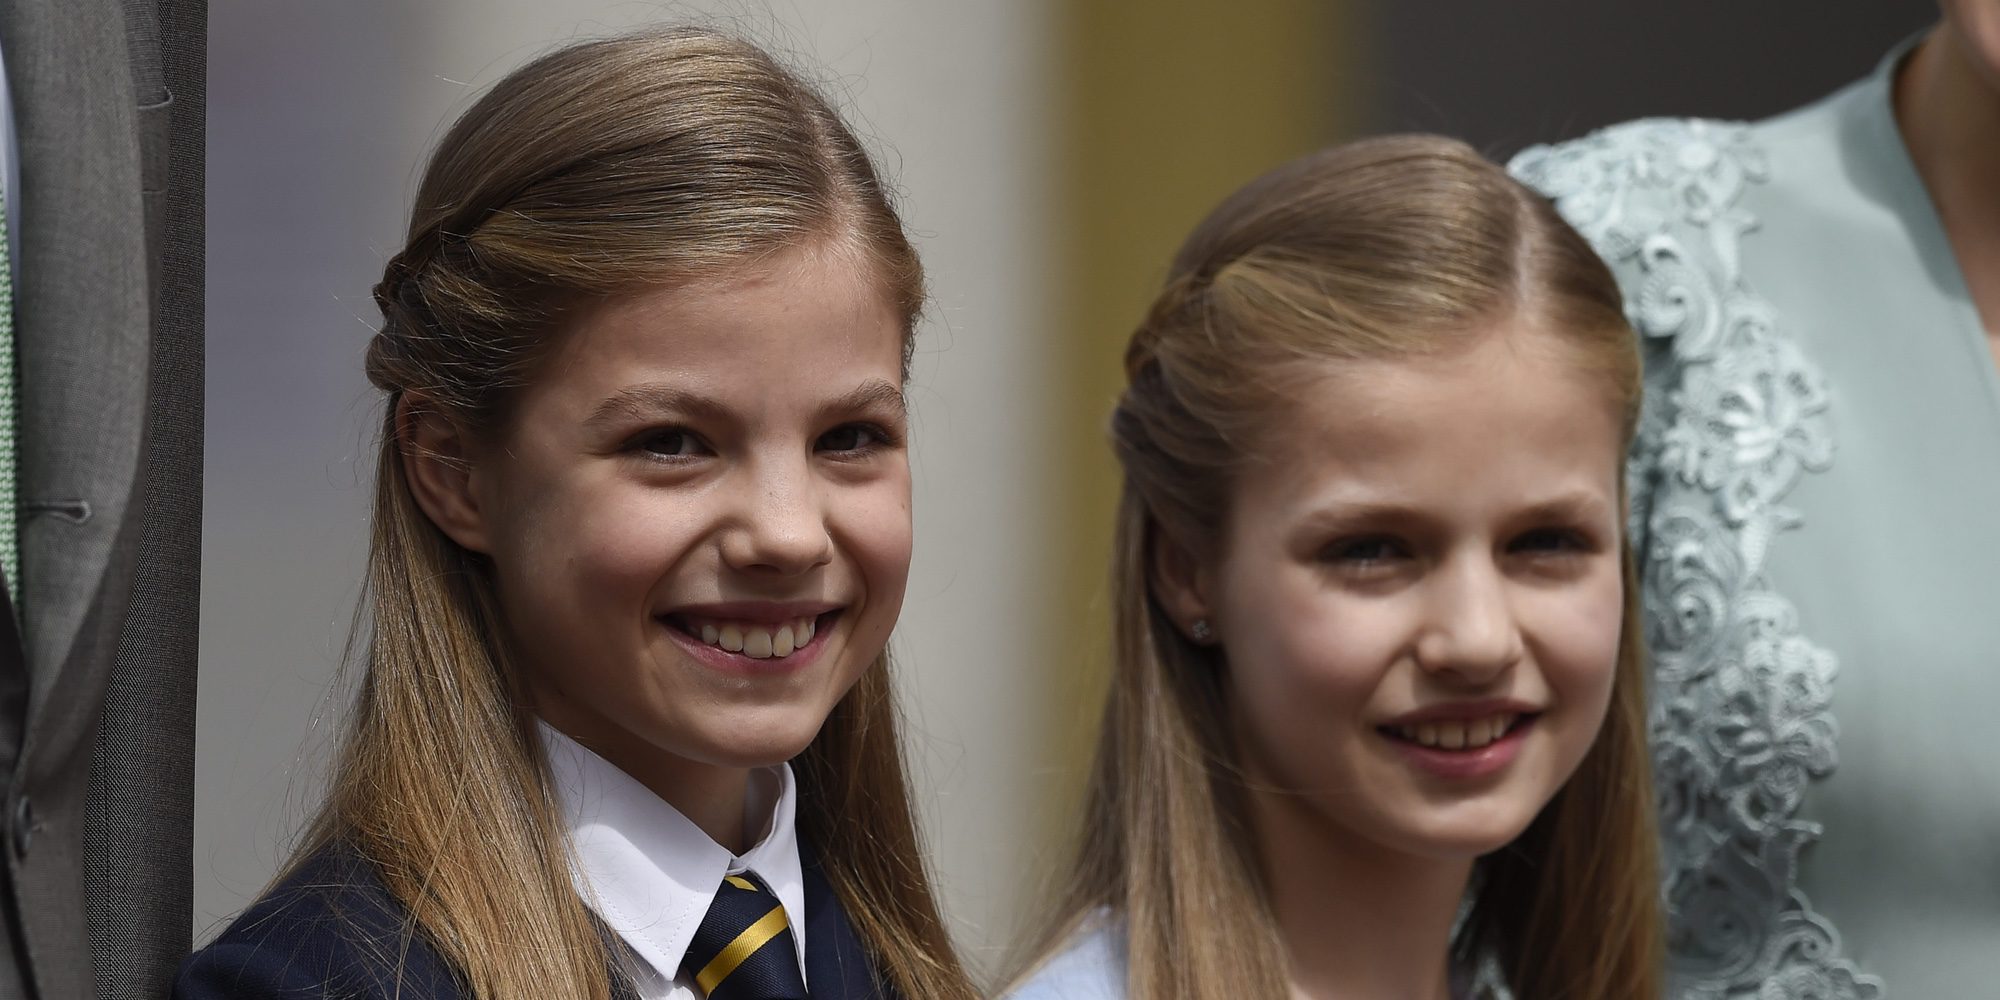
1164, 109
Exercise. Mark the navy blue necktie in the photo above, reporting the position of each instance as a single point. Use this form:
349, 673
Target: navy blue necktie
744, 949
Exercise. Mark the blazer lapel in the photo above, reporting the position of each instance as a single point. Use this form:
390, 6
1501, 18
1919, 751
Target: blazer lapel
83, 319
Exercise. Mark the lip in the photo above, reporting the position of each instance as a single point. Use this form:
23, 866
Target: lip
740, 665
1463, 765
1464, 711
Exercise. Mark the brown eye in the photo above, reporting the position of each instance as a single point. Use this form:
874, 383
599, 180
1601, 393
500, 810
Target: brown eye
850, 438
670, 442
1368, 551
1550, 541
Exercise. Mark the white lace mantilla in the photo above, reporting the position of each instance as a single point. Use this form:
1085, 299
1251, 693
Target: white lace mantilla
1734, 417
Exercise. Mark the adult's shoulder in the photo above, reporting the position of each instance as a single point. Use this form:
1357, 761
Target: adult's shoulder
1091, 966
1667, 203
330, 928
1664, 203
1627, 186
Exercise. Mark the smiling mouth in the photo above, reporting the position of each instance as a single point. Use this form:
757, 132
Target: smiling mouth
757, 640
1459, 734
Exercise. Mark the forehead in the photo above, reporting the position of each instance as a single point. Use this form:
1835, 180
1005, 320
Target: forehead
819, 296
1510, 412
807, 318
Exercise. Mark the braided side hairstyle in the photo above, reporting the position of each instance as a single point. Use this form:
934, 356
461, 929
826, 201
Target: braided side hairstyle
1391, 247
644, 160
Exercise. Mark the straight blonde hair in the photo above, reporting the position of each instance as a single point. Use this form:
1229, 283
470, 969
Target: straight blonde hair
640, 161
1390, 247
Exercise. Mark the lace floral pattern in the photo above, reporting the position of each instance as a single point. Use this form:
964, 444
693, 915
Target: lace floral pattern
1734, 417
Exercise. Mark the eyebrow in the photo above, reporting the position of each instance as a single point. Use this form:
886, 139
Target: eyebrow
869, 395
1577, 506
1580, 505
651, 399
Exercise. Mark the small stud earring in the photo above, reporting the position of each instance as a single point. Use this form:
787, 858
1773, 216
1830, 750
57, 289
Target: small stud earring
1201, 630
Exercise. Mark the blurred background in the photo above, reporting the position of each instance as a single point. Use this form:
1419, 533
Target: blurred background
1049, 156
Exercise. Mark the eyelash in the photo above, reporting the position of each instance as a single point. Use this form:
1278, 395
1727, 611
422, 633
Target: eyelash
1376, 550
876, 437
880, 438
642, 443
1373, 550
1566, 541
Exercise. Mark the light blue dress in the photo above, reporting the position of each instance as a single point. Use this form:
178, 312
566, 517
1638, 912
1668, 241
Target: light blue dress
1092, 967
1817, 511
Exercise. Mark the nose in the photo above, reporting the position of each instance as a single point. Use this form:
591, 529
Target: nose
1470, 628
781, 527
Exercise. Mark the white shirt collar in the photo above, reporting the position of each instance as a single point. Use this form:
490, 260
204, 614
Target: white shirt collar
650, 872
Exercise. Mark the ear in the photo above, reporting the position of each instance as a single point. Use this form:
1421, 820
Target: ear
437, 461
1181, 584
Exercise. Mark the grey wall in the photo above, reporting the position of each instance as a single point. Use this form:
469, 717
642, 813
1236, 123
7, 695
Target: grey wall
307, 164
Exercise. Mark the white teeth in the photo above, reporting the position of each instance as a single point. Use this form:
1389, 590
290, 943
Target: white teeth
758, 641
1458, 734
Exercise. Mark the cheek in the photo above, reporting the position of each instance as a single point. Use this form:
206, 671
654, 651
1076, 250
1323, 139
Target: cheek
575, 544
1577, 633
873, 526
1299, 650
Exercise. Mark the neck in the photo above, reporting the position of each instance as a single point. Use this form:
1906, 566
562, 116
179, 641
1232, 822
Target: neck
1949, 116
712, 797
1359, 921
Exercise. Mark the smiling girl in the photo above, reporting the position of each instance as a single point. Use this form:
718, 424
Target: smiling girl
641, 532
1375, 727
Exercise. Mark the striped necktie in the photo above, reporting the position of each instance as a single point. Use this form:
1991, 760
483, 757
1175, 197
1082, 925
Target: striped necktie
744, 948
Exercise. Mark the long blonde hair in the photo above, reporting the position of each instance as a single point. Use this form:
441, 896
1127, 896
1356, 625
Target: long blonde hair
1383, 248
643, 160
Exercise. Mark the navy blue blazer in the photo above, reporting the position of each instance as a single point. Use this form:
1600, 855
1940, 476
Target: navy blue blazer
332, 931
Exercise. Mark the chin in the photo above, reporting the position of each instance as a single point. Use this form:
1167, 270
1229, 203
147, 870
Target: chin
1467, 831
1978, 27
761, 743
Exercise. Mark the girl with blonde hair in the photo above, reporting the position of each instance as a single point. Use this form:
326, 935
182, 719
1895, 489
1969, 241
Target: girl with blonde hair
1376, 723
641, 532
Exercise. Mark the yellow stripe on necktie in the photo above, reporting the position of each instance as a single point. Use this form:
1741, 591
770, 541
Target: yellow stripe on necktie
740, 882
745, 945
